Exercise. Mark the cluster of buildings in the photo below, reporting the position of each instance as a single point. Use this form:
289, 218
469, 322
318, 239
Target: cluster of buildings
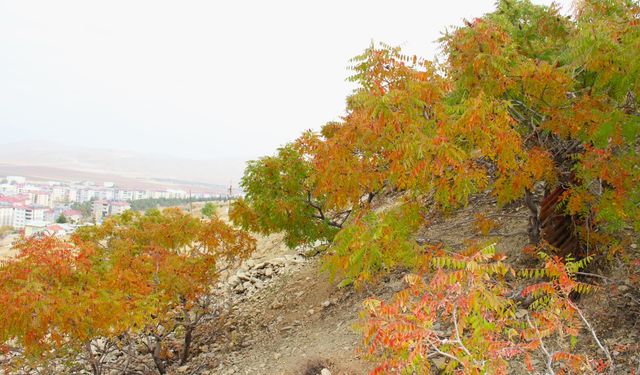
31, 206
103, 208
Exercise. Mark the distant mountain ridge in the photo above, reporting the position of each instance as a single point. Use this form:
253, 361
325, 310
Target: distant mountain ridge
43, 160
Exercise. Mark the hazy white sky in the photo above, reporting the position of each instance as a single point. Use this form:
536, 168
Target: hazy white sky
197, 79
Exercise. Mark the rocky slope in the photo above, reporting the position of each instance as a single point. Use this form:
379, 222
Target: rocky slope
286, 317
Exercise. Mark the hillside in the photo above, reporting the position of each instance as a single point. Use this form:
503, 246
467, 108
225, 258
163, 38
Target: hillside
475, 214
298, 322
44, 161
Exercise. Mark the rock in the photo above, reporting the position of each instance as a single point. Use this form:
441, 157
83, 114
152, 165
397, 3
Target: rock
623, 288
521, 313
250, 263
268, 271
261, 265
299, 294
310, 312
325, 371
325, 304
277, 356
183, 369
233, 280
634, 246
280, 262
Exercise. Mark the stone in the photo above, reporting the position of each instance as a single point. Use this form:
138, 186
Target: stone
325, 371
521, 313
183, 369
310, 312
268, 271
325, 304
234, 280
277, 356
623, 288
280, 262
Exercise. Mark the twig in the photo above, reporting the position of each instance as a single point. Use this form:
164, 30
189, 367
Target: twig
544, 348
455, 325
595, 337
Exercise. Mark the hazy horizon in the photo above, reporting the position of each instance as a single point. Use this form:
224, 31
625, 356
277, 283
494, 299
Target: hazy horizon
196, 80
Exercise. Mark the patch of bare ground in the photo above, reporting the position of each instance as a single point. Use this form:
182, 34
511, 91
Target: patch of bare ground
301, 323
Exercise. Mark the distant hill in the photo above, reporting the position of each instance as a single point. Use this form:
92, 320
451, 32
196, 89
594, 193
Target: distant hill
44, 161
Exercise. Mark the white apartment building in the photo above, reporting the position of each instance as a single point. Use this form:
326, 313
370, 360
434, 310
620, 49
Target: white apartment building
8, 189
6, 214
72, 195
140, 194
181, 194
86, 195
103, 208
59, 194
100, 210
42, 198
116, 208
25, 214
104, 194
124, 195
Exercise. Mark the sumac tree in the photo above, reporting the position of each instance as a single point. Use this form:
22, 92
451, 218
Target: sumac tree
523, 97
138, 275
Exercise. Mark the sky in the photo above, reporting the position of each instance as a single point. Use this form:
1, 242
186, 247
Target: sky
195, 79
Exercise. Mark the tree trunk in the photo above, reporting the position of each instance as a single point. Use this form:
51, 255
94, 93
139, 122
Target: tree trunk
534, 229
157, 359
95, 366
188, 335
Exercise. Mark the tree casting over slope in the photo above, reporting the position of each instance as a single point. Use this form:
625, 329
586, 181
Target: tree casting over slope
525, 99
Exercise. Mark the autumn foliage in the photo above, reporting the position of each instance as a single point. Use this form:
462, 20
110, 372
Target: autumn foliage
134, 275
522, 97
466, 318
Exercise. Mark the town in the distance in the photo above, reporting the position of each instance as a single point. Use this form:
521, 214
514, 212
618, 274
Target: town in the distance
58, 208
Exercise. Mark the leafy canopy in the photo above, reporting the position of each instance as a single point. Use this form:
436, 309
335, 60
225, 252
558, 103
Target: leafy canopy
524, 96
130, 275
